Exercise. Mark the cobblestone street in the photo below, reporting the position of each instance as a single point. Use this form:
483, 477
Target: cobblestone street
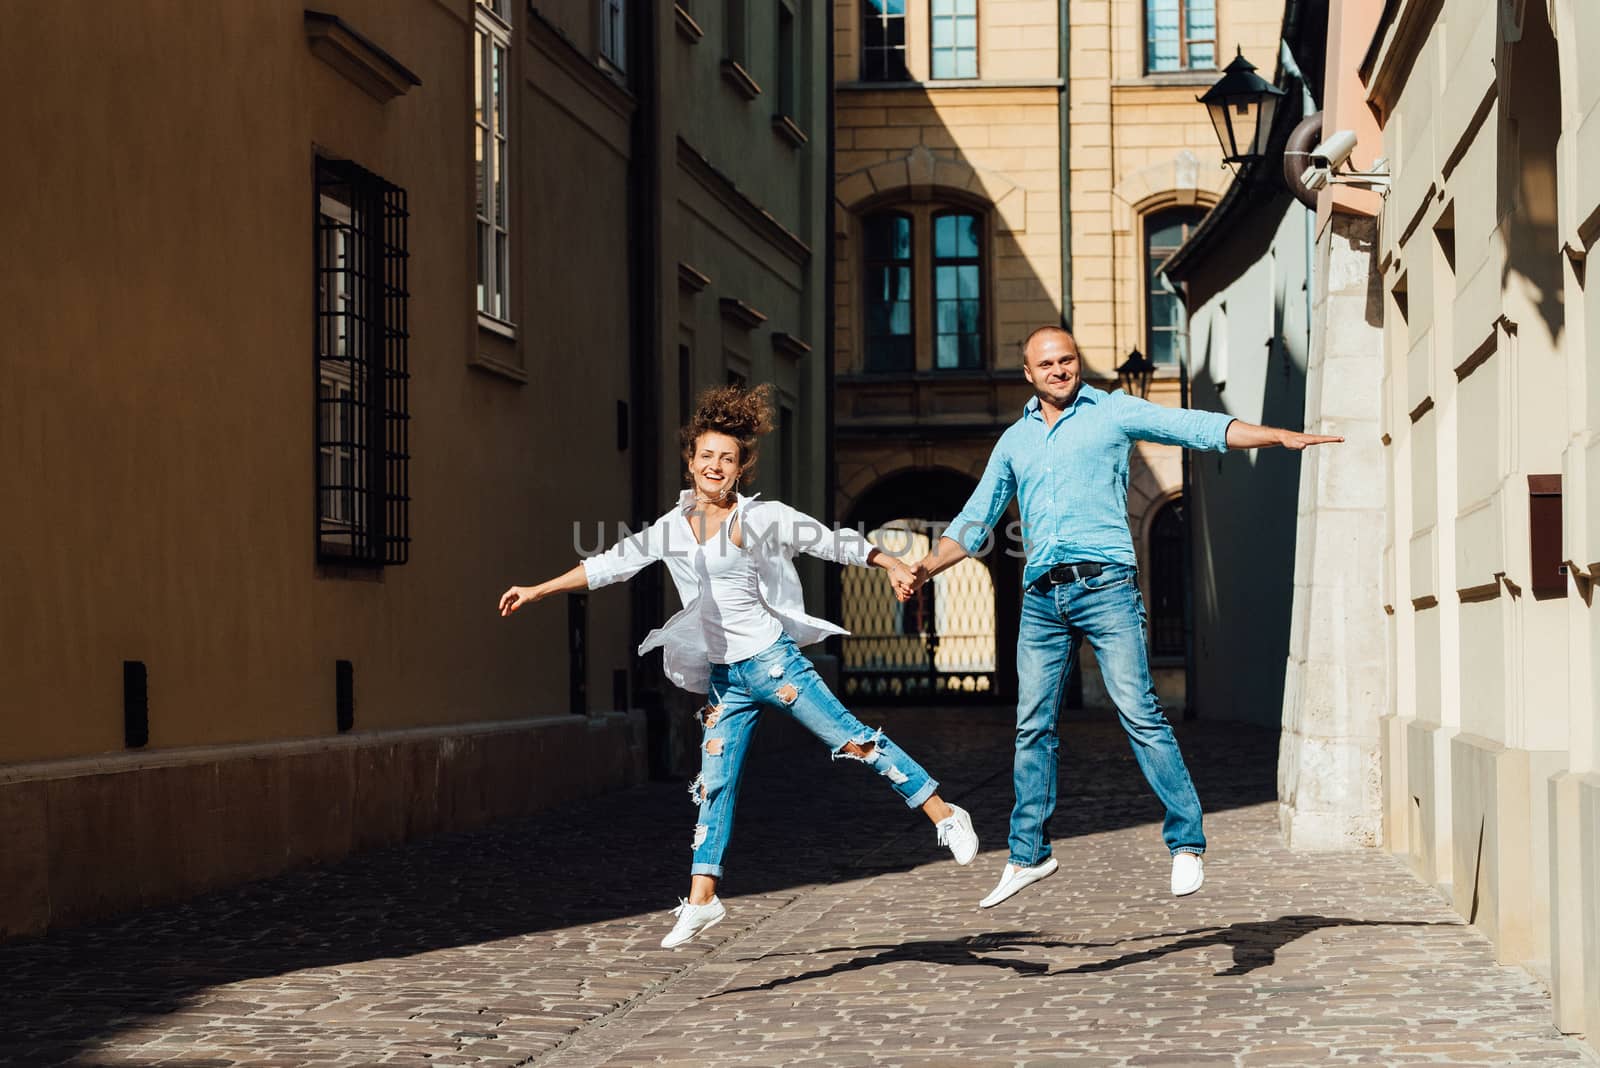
851, 939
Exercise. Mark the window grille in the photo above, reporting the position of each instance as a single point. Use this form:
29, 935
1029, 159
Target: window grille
362, 382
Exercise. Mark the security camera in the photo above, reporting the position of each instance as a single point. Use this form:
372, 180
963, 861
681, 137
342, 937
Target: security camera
1334, 151
1315, 178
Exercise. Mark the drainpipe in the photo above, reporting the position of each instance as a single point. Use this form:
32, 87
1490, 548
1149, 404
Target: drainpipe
1064, 113
1191, 679
1308, 106
644, 423
834, 589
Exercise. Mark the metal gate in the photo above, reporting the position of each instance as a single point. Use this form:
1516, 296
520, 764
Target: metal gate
937, 648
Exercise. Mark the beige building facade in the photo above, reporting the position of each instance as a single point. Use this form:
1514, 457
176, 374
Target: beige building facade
325, 327
1001, 165
1490, 738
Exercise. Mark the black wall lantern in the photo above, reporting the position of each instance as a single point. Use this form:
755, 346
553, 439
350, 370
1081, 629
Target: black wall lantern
1133, 375
1242, 105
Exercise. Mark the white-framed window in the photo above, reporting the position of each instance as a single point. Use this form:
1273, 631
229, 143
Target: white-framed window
491, 70
614, 33
955, 38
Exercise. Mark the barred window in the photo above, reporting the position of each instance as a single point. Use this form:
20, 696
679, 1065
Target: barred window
362, 381
492, 75
955, 38
883, 41
1180, 35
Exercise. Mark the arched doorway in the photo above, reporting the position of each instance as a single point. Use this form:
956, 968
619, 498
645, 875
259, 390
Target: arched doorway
943, 646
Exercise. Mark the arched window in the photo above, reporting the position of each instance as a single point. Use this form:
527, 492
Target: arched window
1166, 580
887, 265
1164, 232
923, 269
883, 41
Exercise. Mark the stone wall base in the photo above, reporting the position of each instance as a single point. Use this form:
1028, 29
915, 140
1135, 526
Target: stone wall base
85, 839
1426, 791
1574, 802
1500, 848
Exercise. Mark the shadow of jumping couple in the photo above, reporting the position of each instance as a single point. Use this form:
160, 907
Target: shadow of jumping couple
1254, 944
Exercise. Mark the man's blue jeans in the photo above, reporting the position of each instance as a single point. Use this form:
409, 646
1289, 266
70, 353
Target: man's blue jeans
780, 678
1107, 611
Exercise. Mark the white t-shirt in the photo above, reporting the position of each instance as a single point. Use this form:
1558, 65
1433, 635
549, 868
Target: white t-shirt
737, 623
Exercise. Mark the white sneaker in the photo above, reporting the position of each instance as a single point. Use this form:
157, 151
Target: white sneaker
1188, 873
1015, 878
692, 919
955, 831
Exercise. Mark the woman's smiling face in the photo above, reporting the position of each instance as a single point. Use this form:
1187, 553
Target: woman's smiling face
715, 465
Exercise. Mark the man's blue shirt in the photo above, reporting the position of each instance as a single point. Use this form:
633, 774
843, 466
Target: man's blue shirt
1072, 478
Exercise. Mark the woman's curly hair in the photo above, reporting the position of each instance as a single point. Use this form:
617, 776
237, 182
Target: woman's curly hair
742, 414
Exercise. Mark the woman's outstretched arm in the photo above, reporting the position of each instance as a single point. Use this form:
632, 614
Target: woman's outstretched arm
571, 582
619, 563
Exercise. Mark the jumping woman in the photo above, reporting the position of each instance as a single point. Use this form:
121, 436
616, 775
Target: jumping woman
738, 637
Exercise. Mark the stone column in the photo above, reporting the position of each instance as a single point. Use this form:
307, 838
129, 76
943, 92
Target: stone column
1329, 773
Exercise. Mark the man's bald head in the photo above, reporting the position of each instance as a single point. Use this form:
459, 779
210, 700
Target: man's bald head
1043, 331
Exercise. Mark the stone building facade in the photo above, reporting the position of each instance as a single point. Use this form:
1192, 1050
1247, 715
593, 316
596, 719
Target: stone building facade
326, 326
967, 131
1491, 739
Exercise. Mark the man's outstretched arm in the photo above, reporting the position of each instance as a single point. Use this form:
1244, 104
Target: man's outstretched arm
1243, 435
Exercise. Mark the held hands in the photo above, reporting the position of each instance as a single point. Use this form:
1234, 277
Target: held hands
907, 579
517, 596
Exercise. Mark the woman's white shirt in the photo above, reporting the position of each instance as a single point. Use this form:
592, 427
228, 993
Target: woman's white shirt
771, 534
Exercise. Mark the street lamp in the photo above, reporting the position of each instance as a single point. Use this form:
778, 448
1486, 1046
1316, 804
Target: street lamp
1242, 104
1134, 374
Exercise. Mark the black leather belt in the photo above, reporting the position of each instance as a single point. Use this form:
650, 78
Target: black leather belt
1061, 574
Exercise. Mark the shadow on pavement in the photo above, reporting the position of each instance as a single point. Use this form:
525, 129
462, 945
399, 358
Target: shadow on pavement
1255, 944
599, 861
